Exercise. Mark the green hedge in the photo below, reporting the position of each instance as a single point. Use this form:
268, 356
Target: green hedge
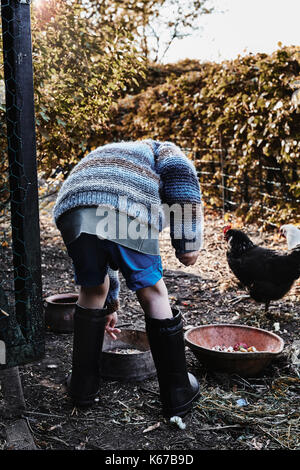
243, 106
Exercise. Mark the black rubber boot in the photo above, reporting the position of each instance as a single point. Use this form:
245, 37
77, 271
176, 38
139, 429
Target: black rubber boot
178, 388
84, 382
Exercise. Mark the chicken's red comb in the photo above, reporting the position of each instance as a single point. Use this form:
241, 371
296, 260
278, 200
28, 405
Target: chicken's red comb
225, 229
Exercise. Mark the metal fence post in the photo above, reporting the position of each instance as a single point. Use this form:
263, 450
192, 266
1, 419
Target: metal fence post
18, 74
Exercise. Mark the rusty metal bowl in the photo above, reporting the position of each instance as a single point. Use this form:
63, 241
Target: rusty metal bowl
202, 339
59, 312
136, 366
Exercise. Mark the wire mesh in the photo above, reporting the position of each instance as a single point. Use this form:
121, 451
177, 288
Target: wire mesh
265, 189
21, 317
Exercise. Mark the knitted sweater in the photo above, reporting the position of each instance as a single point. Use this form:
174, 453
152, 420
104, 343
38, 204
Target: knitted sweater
144, 179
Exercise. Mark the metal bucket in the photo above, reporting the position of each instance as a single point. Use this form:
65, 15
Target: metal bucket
136, 366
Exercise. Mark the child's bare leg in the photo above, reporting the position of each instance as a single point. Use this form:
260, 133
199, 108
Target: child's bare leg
154, 300
94, 297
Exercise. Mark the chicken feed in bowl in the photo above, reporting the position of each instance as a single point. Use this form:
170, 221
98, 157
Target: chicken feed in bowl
128, 358
224, 348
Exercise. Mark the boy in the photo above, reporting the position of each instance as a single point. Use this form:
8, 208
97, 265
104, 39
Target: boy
110, 211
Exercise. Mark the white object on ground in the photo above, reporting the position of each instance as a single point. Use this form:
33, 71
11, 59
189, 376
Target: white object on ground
178, 421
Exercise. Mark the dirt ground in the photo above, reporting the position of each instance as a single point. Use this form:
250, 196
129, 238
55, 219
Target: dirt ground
232, 413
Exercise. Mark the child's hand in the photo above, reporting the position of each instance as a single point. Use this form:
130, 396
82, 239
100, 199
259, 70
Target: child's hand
111, 321
188, 259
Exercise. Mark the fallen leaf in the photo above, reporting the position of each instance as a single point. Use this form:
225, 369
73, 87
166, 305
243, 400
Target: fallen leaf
47, 383
257, 445
55, 427
151, 428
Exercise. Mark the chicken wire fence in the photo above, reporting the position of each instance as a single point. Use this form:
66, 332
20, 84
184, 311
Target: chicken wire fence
21, 319
265, 190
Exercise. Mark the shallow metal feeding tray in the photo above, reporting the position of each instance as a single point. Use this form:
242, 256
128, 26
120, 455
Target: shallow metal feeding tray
128, 358
202, 339
59, 312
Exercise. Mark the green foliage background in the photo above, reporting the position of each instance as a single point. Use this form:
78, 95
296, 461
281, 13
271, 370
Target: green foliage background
242, 106
92, 86
81, 65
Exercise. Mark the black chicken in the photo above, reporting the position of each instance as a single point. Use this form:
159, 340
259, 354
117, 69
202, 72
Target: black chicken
267, 274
